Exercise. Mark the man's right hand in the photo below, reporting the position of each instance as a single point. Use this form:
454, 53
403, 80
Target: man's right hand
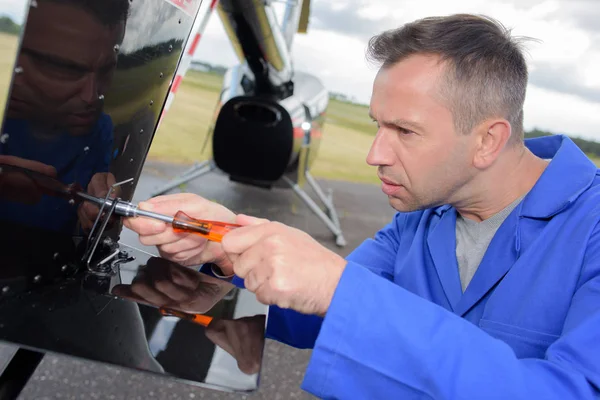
185, 249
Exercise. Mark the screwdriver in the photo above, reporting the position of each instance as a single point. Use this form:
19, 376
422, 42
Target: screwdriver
199, 319
181, 222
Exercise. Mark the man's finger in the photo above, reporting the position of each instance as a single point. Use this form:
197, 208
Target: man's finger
241, 239
248, 261
242, 219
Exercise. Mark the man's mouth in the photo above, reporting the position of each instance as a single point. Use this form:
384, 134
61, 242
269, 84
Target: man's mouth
389, 187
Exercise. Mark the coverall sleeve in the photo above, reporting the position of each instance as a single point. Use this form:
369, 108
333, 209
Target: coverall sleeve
427, 352
377, 254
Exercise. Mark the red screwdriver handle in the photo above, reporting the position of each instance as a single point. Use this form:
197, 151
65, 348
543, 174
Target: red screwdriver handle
211, 230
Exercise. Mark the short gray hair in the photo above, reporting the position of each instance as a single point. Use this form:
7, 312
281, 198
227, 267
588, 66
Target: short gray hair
487, 74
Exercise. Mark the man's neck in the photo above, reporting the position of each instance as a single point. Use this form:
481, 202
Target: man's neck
512, 177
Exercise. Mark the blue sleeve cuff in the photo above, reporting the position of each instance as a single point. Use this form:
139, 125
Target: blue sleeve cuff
235, 280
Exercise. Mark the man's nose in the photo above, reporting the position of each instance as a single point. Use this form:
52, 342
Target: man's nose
381, 152
89, 92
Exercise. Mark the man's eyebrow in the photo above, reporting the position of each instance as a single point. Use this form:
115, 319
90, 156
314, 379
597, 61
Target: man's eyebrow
405, 124
400, 123
57, 60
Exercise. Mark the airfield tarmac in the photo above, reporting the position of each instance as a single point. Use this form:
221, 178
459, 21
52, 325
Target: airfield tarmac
362, 209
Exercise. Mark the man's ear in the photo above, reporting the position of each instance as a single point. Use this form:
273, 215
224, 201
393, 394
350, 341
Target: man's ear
492, 138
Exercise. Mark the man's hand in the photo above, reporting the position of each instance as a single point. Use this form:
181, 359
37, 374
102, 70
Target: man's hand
183, 248
283, 266
165, 284
99, 186
17, 186
243, 338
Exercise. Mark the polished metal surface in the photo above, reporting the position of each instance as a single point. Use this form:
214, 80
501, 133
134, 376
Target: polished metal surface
85, 84
151, 315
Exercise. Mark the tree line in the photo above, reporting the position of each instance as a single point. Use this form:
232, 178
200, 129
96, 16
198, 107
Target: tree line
589, 147
7, 25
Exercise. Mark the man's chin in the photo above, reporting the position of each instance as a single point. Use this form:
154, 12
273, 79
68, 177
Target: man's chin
402, 205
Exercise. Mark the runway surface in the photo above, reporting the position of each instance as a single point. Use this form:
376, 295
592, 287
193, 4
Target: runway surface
362, 209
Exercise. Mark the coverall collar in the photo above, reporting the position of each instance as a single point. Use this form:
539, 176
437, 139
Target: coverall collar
569, 173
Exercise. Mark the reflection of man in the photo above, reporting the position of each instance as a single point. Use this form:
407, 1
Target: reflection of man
55, 113
485, 284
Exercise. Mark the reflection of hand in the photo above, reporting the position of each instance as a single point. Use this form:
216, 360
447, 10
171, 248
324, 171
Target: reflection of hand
186, 249
165, 284
99, 186
17, 186
243, 338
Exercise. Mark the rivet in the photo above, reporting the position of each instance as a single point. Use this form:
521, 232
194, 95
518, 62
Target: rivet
56, 256
63, 268
179, 20
141, 131
101, 97
37, 278
116, 48
72, 202
86, 149
4, 138
161, 74
131, 160
18, 70
170, 47
5, 289
33, 3
151, 102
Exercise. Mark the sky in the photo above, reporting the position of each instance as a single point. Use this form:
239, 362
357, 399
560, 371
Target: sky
563, 95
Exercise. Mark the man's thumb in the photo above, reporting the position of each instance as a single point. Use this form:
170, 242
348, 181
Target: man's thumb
242, 219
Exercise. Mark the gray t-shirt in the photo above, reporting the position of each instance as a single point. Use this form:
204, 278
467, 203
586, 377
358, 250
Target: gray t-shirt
473, 238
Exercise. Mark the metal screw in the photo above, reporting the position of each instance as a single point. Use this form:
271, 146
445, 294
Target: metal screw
18, 70
63, 268
56, 256
37, 278
116, 48
141, 131
151, 102
131, 160
72, 202
161, 74
170, 48
86, 149
101, 97
5, 289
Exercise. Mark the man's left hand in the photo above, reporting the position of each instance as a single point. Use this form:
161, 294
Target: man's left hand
99, 186
283, 266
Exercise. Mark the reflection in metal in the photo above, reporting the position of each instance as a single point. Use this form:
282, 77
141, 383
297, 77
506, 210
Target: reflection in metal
83, 74
97, 317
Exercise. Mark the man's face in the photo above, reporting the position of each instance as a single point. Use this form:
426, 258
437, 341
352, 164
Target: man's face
422, 161
68, 60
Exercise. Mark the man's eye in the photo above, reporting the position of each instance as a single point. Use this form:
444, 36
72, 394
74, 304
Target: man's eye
404, 131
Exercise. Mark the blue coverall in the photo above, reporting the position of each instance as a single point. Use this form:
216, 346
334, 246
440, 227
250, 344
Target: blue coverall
527, 326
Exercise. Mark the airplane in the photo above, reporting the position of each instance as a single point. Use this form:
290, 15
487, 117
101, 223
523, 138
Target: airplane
86, 87
270, 117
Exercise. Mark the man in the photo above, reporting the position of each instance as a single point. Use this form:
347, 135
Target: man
485, 285
55, 115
